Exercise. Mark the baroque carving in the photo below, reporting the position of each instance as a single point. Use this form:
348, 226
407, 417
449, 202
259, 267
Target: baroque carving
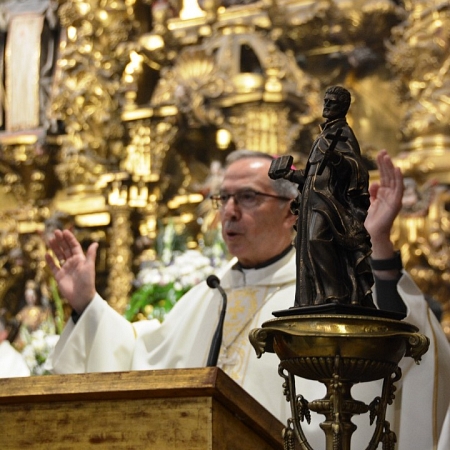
423, 234
86, 93
142, 88
419, 56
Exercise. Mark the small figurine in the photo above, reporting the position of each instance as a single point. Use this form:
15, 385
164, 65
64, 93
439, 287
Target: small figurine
333, 246
33, 315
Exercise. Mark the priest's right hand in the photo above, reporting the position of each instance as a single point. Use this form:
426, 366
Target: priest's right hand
73, 270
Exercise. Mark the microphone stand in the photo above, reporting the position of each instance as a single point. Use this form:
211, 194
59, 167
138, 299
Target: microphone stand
214, 283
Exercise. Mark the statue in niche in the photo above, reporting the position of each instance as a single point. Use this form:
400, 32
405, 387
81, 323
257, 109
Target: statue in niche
333, 246
33, 315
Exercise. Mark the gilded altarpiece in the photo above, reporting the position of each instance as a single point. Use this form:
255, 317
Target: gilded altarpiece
147, 95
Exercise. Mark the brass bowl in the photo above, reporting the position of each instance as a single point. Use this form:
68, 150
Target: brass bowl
369, 348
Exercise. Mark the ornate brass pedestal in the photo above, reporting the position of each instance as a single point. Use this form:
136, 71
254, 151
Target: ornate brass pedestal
339, 351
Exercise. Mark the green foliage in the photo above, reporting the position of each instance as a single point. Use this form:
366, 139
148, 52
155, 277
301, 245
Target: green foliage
152, 301
162, 282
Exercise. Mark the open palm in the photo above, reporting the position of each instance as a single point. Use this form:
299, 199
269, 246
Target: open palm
73, 270
385, 197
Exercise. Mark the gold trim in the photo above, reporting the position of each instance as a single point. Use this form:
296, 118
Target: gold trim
145, 113
93, 220
19, 139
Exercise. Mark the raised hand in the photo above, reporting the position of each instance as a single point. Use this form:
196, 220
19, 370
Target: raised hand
73, 270
385, 204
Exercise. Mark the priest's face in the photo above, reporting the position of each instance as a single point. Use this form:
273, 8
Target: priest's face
255, 230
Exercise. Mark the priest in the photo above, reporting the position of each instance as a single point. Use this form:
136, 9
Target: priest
257, 225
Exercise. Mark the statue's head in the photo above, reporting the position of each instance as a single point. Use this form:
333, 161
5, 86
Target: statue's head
336, 102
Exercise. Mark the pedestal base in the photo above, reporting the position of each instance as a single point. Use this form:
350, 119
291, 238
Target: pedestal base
338, 350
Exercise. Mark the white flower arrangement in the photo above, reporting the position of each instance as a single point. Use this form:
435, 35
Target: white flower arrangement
39, 345
186, 269
162, 282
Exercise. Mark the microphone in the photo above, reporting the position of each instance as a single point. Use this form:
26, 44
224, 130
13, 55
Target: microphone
214, 283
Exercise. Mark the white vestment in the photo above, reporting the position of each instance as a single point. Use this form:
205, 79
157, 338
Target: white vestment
102, 340
12, 363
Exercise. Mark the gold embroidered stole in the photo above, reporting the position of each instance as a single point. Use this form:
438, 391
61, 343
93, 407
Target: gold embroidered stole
243, 305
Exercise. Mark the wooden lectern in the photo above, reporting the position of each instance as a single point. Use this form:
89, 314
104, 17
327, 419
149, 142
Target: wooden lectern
184, 409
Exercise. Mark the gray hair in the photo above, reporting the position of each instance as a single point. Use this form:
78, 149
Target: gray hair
282, 187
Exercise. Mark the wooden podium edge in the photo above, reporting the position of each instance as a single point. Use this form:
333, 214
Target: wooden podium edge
197, 382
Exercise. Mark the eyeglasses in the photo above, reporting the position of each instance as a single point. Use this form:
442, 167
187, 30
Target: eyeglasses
245, 199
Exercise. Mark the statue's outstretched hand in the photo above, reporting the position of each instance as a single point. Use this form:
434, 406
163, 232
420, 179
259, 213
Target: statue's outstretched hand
385, 204
73, 270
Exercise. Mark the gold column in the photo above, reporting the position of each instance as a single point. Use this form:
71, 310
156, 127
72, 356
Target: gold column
120, 258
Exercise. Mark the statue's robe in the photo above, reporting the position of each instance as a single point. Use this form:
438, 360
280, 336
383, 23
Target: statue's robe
102, 340
333, 246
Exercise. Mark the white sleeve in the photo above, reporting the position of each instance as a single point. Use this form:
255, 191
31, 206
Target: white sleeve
12, 363
101, 341
425, 397
104, 341
444, 438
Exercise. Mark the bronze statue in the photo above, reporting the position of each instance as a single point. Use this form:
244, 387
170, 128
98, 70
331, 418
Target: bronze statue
333, 246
